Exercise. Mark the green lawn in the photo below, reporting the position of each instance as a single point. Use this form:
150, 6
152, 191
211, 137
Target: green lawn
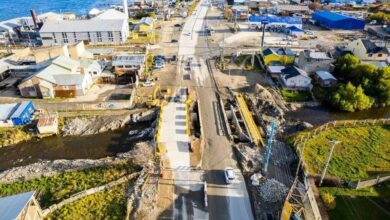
53, 189
296, 96
368, 203
363, 152
13, 135
108, 204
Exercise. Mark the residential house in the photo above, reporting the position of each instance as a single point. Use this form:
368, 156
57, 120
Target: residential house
128, 63
241, 11
282, 56
294, 31
29, 61
64, 77
275, 71
294, 78
366, 50
312, 61
324, 78
107, 28
16, 113
22, 206
48, 124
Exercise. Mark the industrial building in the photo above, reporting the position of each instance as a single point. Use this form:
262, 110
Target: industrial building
22, 206
110, 27
332, 20
16, 113
256, 21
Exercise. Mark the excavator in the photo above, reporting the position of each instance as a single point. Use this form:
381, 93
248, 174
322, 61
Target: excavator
158, 94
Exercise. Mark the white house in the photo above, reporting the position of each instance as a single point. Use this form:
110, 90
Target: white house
294, 78
367, 50
65, 77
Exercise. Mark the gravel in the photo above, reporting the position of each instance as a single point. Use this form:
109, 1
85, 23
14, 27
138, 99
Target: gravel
272, 191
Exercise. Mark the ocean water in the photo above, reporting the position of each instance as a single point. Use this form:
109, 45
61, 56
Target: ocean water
17, 8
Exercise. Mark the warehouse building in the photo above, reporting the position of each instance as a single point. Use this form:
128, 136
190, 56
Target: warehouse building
256, 21
332, 20
16, 113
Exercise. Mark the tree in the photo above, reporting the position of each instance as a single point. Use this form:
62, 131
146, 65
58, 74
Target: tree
329, 201
350, 98
345, 65
379, 17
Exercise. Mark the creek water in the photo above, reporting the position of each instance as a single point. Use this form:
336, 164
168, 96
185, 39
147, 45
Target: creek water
321, 115
71, 147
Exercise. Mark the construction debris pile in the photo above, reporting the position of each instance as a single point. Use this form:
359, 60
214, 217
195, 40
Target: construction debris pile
250, 158
269, 104
272, 191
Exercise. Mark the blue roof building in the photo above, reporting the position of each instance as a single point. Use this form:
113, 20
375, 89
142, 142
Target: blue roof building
275, 20
332, 20
16, 114
21, 206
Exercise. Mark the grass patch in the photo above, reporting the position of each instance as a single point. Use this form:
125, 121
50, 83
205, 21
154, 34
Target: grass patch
296, 96
364, 152
13, 135
109, 204
53, 189
367, 203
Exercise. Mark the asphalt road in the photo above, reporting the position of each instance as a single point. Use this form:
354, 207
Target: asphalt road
224, 201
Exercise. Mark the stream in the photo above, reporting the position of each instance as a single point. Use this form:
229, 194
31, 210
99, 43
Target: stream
71, 147
321, 115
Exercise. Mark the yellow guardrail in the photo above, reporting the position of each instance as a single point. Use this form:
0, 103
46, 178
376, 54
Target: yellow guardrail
252, 127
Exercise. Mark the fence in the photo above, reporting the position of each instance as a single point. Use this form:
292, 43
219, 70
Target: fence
371, 182
91, 191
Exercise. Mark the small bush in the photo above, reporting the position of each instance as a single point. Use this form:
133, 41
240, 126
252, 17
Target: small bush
329, 201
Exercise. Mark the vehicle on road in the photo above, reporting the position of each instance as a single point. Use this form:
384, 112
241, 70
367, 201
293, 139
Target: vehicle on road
177, 25
173, 41
173, 59
229, 175
148, 84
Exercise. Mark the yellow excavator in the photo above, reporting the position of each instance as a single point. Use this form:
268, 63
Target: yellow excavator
158, 94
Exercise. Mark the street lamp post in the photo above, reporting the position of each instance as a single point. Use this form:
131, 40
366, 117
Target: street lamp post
328, 160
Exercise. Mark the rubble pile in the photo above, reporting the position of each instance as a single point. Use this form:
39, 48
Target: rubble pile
249, 158
269, 103
272, 191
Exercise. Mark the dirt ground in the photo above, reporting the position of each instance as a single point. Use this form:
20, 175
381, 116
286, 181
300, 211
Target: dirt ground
237, 79
165, 191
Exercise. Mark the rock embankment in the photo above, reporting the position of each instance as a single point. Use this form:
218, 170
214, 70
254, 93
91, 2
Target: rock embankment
49, 168
103, 123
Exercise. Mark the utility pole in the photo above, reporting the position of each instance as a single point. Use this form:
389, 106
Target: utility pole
328, 160
222, 52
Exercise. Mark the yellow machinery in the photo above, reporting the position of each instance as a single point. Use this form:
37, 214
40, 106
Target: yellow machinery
158, 93
252, 127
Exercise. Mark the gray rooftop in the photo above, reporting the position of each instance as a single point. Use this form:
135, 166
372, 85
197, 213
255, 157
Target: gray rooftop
83, 25
128, 59
12, 206
6, 110
325, 75
317, 55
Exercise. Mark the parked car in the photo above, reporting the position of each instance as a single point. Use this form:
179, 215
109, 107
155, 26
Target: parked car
229, 175
173, 59
177, 25
148, 84
173, 41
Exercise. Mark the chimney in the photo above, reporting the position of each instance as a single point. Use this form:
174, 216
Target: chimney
34, 17
125, 8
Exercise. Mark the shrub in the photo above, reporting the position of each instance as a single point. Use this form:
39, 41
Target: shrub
329, 201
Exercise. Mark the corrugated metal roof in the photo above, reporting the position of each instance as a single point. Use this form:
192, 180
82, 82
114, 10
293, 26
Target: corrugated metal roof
317, 55
128, 59
111, 14
69, 79
21, 107
325, 75
12, 206
92, 25
6, 110
292, 71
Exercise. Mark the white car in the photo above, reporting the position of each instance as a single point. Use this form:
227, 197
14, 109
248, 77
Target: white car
148, 84
229, 175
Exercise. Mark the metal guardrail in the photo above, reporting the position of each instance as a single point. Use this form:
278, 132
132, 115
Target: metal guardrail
252, 127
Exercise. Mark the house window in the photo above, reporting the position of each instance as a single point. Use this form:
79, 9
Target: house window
110, 36
75, 36
89, 37
99, 36
66, 87
65, 38
370, 55
94, 73
380, 55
